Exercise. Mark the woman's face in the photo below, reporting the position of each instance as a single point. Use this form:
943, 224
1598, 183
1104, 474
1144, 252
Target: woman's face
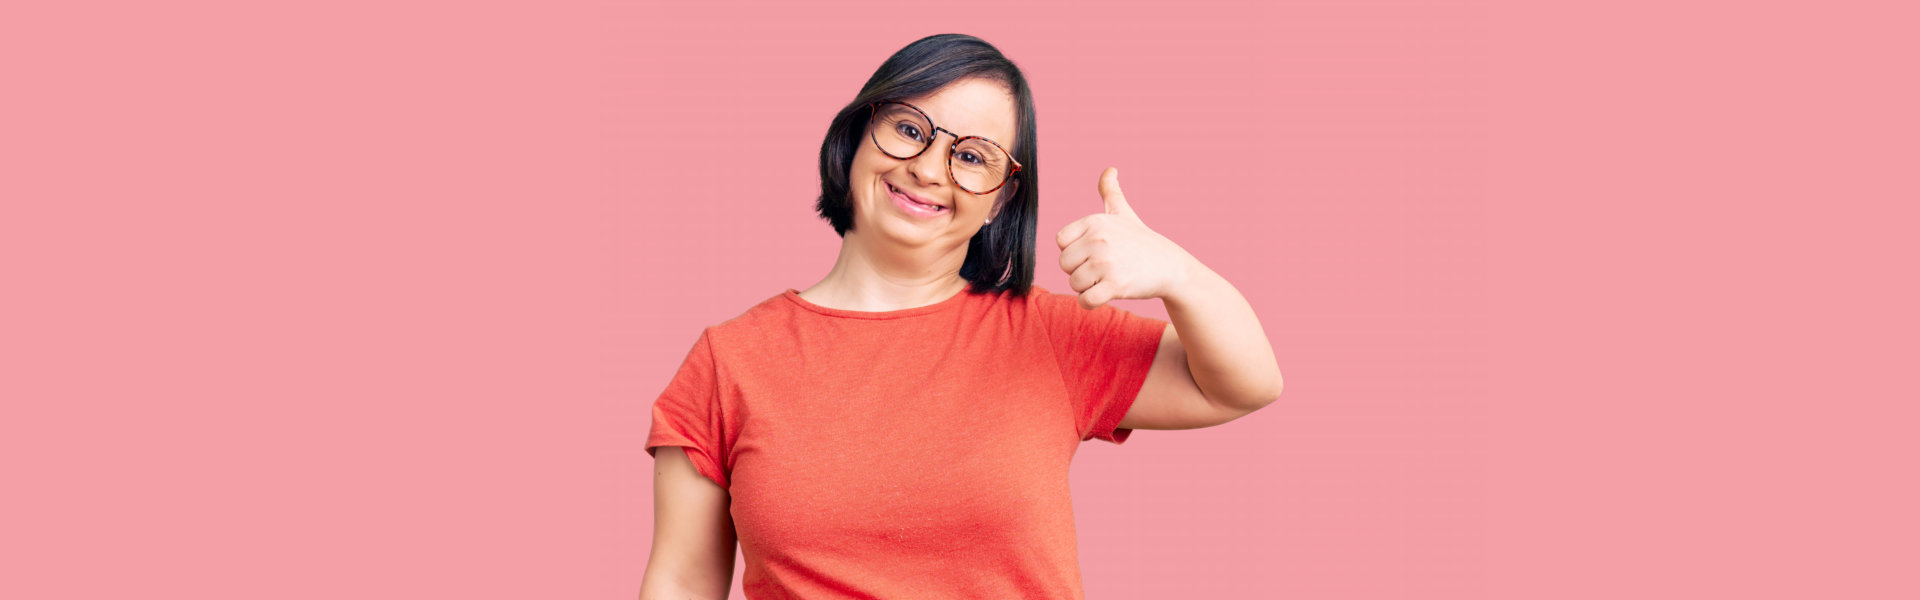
879, 184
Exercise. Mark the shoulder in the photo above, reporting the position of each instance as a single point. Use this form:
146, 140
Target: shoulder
1038, 299
1031, 315
1043, 302
764, 331
770, 313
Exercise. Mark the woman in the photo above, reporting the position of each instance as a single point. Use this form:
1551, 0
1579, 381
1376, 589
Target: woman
903, 427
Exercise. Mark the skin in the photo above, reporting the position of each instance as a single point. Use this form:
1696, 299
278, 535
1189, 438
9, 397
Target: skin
694, 541
1214, 363
891, 260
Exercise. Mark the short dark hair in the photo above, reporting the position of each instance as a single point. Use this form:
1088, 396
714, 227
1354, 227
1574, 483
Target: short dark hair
1000, 256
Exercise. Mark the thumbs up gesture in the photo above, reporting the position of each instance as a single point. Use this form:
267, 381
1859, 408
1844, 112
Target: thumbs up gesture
1112, 254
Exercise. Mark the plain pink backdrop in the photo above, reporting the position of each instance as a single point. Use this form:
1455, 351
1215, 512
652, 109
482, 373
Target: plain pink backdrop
1320, 157
366, 299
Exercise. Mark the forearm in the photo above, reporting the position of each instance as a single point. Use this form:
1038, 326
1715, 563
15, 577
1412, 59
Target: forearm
662, 588
1227, 350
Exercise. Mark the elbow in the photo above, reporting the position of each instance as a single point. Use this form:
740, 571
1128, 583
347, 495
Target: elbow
1271, 383
1271, 392
1249, 399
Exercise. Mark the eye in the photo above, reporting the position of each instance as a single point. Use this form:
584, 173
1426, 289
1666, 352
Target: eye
967, 156
908, 129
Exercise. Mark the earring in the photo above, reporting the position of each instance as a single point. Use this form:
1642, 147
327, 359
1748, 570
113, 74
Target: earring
986, 221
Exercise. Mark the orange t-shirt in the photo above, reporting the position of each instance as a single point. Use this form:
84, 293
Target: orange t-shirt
916, 453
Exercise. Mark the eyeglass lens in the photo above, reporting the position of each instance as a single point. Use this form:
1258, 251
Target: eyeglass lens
902, 132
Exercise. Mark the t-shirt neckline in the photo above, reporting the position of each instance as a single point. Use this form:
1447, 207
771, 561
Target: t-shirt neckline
955, 300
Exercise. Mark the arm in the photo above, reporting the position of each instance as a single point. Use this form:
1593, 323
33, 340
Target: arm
693, 535
1214, 363
1227, 352
1237, 362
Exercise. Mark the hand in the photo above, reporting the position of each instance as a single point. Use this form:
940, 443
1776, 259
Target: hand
1114, 255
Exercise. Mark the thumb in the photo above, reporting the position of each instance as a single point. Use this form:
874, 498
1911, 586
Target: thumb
1110, 193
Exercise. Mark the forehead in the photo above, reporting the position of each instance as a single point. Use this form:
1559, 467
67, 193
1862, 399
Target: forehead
972, 106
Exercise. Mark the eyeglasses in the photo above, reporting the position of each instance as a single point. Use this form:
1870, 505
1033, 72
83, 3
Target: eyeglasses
976, 164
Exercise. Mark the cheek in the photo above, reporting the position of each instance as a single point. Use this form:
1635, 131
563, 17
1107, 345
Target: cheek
978, 205
860, 178
865, 171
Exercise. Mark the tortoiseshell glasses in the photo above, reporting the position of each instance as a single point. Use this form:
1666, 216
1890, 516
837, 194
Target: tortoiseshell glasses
976, 164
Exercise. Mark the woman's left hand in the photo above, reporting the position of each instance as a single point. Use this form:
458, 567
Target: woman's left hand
1114, 255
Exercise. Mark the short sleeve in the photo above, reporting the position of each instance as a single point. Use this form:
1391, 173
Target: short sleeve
688, 413
1104, 355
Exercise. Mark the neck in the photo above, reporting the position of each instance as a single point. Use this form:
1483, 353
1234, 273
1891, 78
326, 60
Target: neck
866, 277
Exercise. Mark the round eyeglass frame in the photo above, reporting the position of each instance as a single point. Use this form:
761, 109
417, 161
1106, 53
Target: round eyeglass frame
873, 109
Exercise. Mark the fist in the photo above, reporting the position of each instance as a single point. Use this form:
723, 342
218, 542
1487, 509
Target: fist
1112, 254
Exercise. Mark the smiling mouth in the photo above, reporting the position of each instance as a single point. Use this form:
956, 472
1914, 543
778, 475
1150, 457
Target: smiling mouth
910, 200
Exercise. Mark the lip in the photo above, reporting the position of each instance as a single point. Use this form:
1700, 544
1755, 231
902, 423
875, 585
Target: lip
906, 201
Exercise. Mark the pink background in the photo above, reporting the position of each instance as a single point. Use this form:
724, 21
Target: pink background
363, 299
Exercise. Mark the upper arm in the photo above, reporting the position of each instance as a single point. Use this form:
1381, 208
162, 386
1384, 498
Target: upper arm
1169, 398
693, 534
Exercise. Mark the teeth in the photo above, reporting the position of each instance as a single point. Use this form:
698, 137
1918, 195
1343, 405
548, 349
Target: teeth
933, 207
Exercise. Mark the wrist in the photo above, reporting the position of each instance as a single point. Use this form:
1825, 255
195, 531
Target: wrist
1191, 286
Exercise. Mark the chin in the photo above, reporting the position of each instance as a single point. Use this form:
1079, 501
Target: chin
896, 229
904, 232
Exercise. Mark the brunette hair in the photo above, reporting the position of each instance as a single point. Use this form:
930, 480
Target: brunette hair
1000, 256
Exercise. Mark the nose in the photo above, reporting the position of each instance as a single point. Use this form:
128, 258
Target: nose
930, 167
